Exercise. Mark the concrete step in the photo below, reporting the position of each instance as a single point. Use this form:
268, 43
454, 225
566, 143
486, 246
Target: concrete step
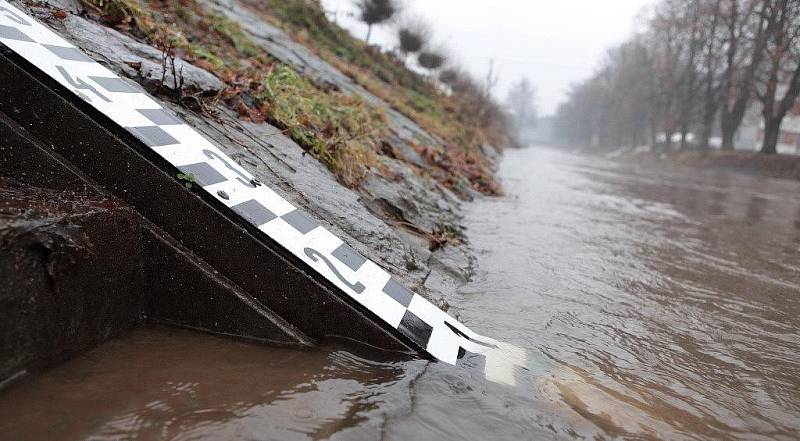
80, 266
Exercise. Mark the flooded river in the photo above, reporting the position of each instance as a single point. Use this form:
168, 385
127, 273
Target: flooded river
655, 303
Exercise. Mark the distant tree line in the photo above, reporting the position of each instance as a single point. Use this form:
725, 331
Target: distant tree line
698, 66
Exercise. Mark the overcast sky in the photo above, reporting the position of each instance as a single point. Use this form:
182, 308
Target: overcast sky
552, 42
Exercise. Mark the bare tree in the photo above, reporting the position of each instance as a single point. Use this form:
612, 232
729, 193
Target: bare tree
696, 59
688, 81
710, 68
374, 12
782, 67
669, 47
521, 102
577, 120
491, 80
745, 26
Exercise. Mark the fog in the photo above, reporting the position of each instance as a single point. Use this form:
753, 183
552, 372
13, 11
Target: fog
553, 43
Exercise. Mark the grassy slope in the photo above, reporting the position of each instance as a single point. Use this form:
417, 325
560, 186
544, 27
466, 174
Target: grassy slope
339, 129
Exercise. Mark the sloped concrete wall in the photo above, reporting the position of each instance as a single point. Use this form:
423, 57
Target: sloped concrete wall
80, 267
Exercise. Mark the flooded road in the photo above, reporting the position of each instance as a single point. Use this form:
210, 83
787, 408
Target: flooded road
654, 303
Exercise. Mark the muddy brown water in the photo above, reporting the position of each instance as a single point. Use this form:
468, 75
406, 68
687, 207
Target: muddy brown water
655, 303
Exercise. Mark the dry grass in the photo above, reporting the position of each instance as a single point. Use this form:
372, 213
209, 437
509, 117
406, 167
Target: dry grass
340, 130
453, 120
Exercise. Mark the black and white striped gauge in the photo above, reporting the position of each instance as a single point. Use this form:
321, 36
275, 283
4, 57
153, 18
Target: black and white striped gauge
127, 105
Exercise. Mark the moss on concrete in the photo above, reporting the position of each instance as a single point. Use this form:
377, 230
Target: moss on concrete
234, 34
339, 129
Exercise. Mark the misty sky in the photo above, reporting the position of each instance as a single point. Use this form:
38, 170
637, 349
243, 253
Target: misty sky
552, 42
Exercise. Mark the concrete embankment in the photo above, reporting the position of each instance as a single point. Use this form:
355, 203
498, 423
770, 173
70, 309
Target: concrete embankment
81, 266
100, 238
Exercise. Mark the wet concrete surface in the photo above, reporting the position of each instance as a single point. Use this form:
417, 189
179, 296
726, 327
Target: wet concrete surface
654, 303
80, 267
68, 281
111, 157
391, 218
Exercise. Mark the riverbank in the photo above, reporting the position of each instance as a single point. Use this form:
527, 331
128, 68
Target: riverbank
772, 166
387, 179
369, 148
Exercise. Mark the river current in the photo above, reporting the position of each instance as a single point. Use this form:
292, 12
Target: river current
653, 302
